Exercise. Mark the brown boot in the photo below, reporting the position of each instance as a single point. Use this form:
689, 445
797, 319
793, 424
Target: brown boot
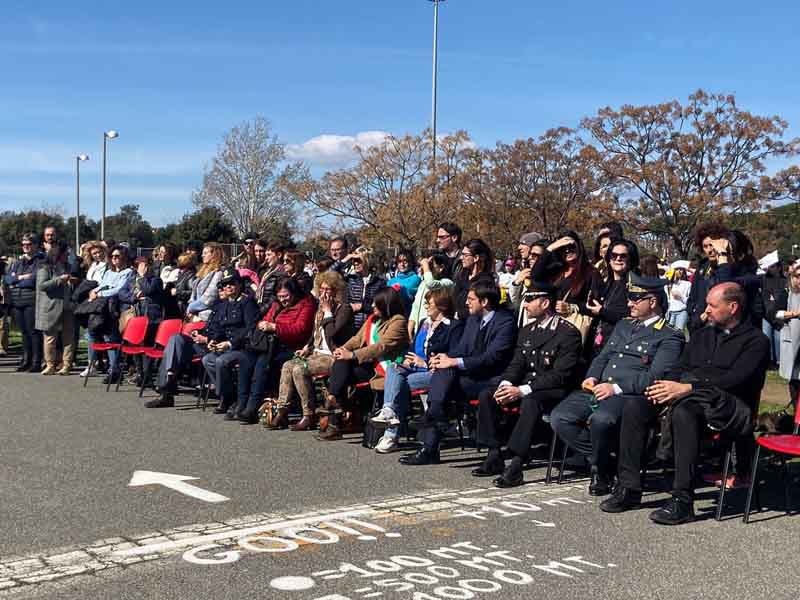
304, 424
332, 433
280, 420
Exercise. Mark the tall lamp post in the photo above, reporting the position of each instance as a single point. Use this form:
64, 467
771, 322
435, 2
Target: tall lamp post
107, 135
78, 160
435, 84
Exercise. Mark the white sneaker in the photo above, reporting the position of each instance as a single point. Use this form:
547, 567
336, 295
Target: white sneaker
85, 372
386, 445
385, 417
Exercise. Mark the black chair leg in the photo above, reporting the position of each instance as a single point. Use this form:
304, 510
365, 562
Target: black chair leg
89, 369
726, 466
563, 464
786, 485
200, 389
753, 484
119, 379
548, 476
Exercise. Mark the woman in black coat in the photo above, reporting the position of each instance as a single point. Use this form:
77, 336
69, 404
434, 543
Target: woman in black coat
21, 281
477, 264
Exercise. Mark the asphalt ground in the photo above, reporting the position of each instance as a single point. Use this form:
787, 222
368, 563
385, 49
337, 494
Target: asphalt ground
332, 521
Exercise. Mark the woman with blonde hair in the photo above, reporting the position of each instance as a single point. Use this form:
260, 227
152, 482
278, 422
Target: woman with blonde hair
204, 291
333, 326
94, 260
362, 284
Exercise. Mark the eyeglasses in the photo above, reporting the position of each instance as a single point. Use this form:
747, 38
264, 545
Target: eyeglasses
443, 236
615, 256
116, 256
636, 300
467, 255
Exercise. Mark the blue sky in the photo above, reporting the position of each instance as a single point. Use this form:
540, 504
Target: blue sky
173, 76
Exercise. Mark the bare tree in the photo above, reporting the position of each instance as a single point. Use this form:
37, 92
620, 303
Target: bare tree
249, 181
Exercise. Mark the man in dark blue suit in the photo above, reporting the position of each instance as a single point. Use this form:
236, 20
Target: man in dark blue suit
476, 363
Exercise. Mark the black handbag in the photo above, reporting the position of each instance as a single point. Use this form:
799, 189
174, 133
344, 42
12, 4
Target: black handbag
260, 342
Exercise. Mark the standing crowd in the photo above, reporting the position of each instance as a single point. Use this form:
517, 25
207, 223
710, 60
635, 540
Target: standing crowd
605, 347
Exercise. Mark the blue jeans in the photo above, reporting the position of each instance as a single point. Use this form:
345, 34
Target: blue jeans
397, 388
255, 370
774, 336
113, 355
678, 319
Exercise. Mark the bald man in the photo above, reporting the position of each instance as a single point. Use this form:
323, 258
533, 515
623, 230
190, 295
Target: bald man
717, 387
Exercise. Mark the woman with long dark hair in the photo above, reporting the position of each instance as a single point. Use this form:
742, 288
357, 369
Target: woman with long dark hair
477, 263
575, 276
608, 301
382, 340
405, 277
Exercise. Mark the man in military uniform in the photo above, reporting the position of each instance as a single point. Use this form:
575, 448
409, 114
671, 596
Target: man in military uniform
540, 375
641, 350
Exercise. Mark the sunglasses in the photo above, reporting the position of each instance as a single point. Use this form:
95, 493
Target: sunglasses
570, 249
615, 256
635, 299
116, 256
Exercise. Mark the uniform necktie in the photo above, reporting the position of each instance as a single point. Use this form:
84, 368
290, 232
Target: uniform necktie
637, 326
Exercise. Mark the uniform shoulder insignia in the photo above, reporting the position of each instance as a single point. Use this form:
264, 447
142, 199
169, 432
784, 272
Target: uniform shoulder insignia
659, 324
664, 324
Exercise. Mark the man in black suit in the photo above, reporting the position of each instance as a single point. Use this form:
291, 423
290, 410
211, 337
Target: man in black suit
717, 387
475, 364
540, 375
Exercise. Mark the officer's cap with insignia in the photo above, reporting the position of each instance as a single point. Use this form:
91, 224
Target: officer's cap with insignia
640, 287
539, 289
229, 275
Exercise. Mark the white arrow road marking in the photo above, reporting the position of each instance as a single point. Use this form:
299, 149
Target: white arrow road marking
175, 482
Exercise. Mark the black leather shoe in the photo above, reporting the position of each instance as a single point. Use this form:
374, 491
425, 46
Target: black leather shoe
23, 368
621, 500
599, 485
490, 468
248, 417
422, 456
222, 408
231, 415
674, 512
510, 478
164, 401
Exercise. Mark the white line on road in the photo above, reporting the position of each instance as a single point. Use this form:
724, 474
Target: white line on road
176, 483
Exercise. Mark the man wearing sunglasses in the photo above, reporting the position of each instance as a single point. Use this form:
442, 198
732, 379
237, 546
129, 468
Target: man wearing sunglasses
641, 350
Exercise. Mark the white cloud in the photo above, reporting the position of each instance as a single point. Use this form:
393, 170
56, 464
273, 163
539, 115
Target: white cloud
334, 151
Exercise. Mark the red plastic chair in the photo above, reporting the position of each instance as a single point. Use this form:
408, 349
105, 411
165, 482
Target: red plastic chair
134, 334
784, 445
188, 328
166, 330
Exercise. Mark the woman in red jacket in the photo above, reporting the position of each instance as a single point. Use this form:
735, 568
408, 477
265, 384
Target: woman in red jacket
290, 320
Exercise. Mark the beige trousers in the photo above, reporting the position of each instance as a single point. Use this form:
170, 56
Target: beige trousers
296, 379
67, 335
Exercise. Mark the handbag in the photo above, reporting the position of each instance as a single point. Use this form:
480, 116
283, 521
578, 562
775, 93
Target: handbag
582, 322
260, 342
125, 316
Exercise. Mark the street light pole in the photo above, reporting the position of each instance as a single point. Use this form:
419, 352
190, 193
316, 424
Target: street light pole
78, 160
107, 135
435, 85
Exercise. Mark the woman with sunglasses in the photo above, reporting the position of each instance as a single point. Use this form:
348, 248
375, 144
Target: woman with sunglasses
114, 279
21, 280
608, 301
294, 264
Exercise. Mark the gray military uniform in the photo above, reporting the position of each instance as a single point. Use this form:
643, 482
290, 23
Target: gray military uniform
633, 358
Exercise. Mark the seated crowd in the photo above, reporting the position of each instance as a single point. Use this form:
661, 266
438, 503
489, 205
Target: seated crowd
594, 346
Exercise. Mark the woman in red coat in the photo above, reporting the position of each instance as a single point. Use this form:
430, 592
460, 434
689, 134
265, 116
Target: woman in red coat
290, 320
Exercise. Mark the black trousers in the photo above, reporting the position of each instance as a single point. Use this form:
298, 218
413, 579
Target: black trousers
637, 415
688, 425
448, 385
32, 341
345, 373
532, 407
